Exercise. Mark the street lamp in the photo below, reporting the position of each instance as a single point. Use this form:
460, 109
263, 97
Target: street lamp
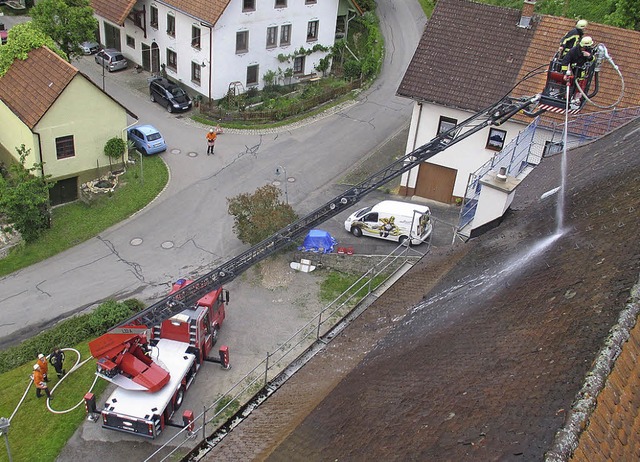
280, 169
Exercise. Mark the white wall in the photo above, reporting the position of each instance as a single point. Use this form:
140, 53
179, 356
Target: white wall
226, 64
465, 156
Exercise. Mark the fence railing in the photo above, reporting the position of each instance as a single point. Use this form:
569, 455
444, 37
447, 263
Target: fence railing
257, 384
217, 112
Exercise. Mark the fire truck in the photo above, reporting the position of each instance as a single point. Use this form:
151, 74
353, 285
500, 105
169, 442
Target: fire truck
154, 365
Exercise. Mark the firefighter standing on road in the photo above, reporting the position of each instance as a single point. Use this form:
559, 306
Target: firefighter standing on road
44, 366
57, 361
38, 380
211, 141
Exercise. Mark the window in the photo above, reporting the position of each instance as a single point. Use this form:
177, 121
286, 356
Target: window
285, 35
272, 36
551, 148
172, 60
154, 17
252, 75
281, 3
242, 41
171, 25
310, 2
445, 124
131, 42
195, 72
248, 5
64, 147
312, 31
298, 65
495, 142
195, 37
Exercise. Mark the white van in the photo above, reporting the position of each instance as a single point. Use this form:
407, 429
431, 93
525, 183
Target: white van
392, 220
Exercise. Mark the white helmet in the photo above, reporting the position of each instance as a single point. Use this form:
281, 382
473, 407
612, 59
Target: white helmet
582, 24
40, 356
36, 367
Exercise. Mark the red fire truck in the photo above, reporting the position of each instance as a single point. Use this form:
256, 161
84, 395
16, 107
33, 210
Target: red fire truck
153, 366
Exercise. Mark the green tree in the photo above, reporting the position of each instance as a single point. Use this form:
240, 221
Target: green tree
24, 198
22, 39
67, 22
626, 14
115, 149
257, 216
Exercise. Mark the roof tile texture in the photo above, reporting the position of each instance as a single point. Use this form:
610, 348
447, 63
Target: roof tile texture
208, 11
30, 87
468, 57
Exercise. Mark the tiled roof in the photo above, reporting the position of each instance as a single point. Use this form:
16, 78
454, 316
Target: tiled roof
30, 87
471, 54
468, 57
622, 44
117, 10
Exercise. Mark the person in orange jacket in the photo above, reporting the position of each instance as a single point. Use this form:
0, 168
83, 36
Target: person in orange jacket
38, 380
44, 366
211, 141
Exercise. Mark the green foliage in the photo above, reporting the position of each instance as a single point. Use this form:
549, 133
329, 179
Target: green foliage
22, 39
367, 5
259, 215
626, 14
323, 65
352, 69
67, 22
24, 198
338, 283
115, 148
269, 77
69, 332
76, 222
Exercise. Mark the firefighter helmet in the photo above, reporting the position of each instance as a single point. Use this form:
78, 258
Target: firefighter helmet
36, 367
40, 356
586, 42
582, 24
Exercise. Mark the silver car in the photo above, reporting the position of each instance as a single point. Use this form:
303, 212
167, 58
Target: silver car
111, 59
89, 48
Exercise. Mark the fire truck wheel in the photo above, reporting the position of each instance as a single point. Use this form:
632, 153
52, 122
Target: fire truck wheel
179, 398
214, 336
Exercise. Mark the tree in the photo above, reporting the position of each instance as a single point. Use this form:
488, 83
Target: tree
626, 14
115, 149
67, 22
257, 216
21, 40
24, 198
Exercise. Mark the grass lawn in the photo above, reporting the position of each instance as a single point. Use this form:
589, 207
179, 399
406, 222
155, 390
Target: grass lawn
35, 433
77, 222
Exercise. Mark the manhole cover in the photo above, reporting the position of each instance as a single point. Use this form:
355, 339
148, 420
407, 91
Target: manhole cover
276, 183
175, 151
193, 154
291, 179
167, 245
135, 241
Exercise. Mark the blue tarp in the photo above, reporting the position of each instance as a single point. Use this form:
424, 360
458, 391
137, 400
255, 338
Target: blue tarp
318, 241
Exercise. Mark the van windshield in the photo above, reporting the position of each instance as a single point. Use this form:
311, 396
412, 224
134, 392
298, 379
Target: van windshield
361, 212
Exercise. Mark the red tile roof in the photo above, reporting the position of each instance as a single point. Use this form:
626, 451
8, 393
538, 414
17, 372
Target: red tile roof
116, 11
30, 87
472, 54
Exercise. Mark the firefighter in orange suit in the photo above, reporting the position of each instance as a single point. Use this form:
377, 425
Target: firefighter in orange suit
38, 381
44, 366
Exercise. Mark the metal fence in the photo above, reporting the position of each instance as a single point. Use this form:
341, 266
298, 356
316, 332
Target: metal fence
217, 112
264, 379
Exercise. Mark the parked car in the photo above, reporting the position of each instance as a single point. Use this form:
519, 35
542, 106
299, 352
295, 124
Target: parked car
111, 59
89, 48
3, 34
169, 95
147, 139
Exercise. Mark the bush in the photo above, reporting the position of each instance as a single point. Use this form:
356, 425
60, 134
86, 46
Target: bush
352, 69
69, 332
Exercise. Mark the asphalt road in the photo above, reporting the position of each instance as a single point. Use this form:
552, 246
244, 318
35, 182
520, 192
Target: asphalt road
187, 230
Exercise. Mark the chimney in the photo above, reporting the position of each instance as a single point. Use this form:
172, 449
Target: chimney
527, 13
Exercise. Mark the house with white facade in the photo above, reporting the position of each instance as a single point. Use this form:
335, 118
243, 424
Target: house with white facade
214, 46
470, 56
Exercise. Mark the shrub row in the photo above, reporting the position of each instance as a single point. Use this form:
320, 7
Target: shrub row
69, 332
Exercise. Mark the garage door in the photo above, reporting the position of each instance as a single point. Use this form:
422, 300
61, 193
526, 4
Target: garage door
436, 182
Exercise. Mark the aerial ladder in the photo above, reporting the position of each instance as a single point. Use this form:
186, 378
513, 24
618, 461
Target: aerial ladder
176, 302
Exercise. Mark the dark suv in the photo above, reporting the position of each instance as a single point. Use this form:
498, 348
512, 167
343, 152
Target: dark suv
169, 95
